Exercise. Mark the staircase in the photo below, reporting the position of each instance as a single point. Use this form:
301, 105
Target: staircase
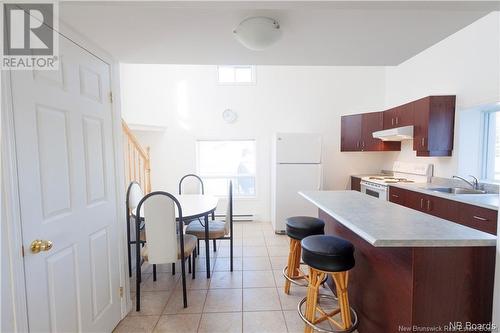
137, 160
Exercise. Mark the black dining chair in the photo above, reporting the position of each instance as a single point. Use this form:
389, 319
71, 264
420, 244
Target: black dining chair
132, 198
201, 187
166, 241
217, 229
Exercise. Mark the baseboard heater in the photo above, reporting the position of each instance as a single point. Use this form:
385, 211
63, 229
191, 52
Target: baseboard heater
237, 217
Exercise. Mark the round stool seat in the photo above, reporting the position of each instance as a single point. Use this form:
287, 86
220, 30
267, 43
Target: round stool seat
328, 253
299, 227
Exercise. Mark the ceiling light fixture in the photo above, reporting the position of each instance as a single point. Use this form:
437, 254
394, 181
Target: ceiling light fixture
258, 33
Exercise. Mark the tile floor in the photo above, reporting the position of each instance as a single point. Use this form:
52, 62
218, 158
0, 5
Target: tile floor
249, 299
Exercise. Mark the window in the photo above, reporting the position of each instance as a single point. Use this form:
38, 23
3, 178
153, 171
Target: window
491, 157
236, 74
221, 161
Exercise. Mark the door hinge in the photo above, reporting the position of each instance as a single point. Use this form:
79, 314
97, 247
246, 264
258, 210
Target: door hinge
121, 292
22, 250
111, 97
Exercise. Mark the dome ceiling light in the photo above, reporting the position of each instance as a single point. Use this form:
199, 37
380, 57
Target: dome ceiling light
258, 33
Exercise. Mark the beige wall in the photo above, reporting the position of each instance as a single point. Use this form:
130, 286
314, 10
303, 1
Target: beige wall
188, 100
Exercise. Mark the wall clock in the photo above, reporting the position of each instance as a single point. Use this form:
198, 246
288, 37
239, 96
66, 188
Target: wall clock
229, 116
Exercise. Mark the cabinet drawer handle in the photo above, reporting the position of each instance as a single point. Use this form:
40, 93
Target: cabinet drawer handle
395, 196
479, 218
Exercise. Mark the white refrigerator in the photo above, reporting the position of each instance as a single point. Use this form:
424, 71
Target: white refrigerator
296, 166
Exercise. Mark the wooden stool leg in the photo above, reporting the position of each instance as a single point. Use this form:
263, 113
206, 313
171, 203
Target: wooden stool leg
291, 270
340, 280
298, 258
315, 278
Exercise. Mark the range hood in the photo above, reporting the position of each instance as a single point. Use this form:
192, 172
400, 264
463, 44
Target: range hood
395, 134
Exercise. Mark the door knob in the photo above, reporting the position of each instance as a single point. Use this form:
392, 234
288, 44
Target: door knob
39, 245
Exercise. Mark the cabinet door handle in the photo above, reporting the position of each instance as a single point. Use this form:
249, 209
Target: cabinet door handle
397, 120
422, 203
357, 144
423, 142
428, 205
392, 121
479, 218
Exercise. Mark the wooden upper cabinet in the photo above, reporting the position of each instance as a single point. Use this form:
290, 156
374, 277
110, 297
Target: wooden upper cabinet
357, 130
434, 121
371, 122
390, 118
405, 114
399, 116
350, 133
421, 124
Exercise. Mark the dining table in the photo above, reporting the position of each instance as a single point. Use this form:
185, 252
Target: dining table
198, 206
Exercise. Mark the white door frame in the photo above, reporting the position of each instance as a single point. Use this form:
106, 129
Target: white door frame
11, 197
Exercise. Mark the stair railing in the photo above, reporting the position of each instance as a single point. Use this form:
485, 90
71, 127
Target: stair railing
137, 160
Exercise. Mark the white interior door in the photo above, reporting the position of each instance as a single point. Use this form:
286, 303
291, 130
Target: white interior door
64, 145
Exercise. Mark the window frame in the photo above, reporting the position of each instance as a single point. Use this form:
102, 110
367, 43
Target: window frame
488, 143
256, 177
250, 83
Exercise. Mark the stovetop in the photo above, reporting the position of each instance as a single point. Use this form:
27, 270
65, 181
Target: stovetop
403, 172
385, 180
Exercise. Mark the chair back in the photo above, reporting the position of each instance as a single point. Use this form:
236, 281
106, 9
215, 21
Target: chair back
134, 195
158, 209
192, 189
228, 222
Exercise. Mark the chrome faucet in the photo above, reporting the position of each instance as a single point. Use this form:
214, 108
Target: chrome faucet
474, 184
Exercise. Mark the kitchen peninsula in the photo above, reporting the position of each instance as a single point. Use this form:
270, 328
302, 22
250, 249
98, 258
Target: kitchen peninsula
412, 269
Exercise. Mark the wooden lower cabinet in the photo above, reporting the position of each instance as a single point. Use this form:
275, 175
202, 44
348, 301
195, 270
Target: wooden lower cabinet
476, 217
355, 183
395, 288
397, 195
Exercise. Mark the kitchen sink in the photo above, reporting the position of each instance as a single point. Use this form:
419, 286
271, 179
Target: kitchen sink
455, 190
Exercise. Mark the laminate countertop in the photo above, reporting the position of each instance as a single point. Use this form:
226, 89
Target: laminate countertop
385, 224
490, 201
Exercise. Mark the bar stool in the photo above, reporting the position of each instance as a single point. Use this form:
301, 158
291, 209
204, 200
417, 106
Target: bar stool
334, 256
297, 228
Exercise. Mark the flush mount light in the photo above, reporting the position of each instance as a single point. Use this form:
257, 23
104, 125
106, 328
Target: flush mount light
257, 33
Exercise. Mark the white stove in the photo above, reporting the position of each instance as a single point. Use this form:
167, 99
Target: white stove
377, 186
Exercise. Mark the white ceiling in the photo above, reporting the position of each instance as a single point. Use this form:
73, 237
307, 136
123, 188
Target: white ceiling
314, 33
